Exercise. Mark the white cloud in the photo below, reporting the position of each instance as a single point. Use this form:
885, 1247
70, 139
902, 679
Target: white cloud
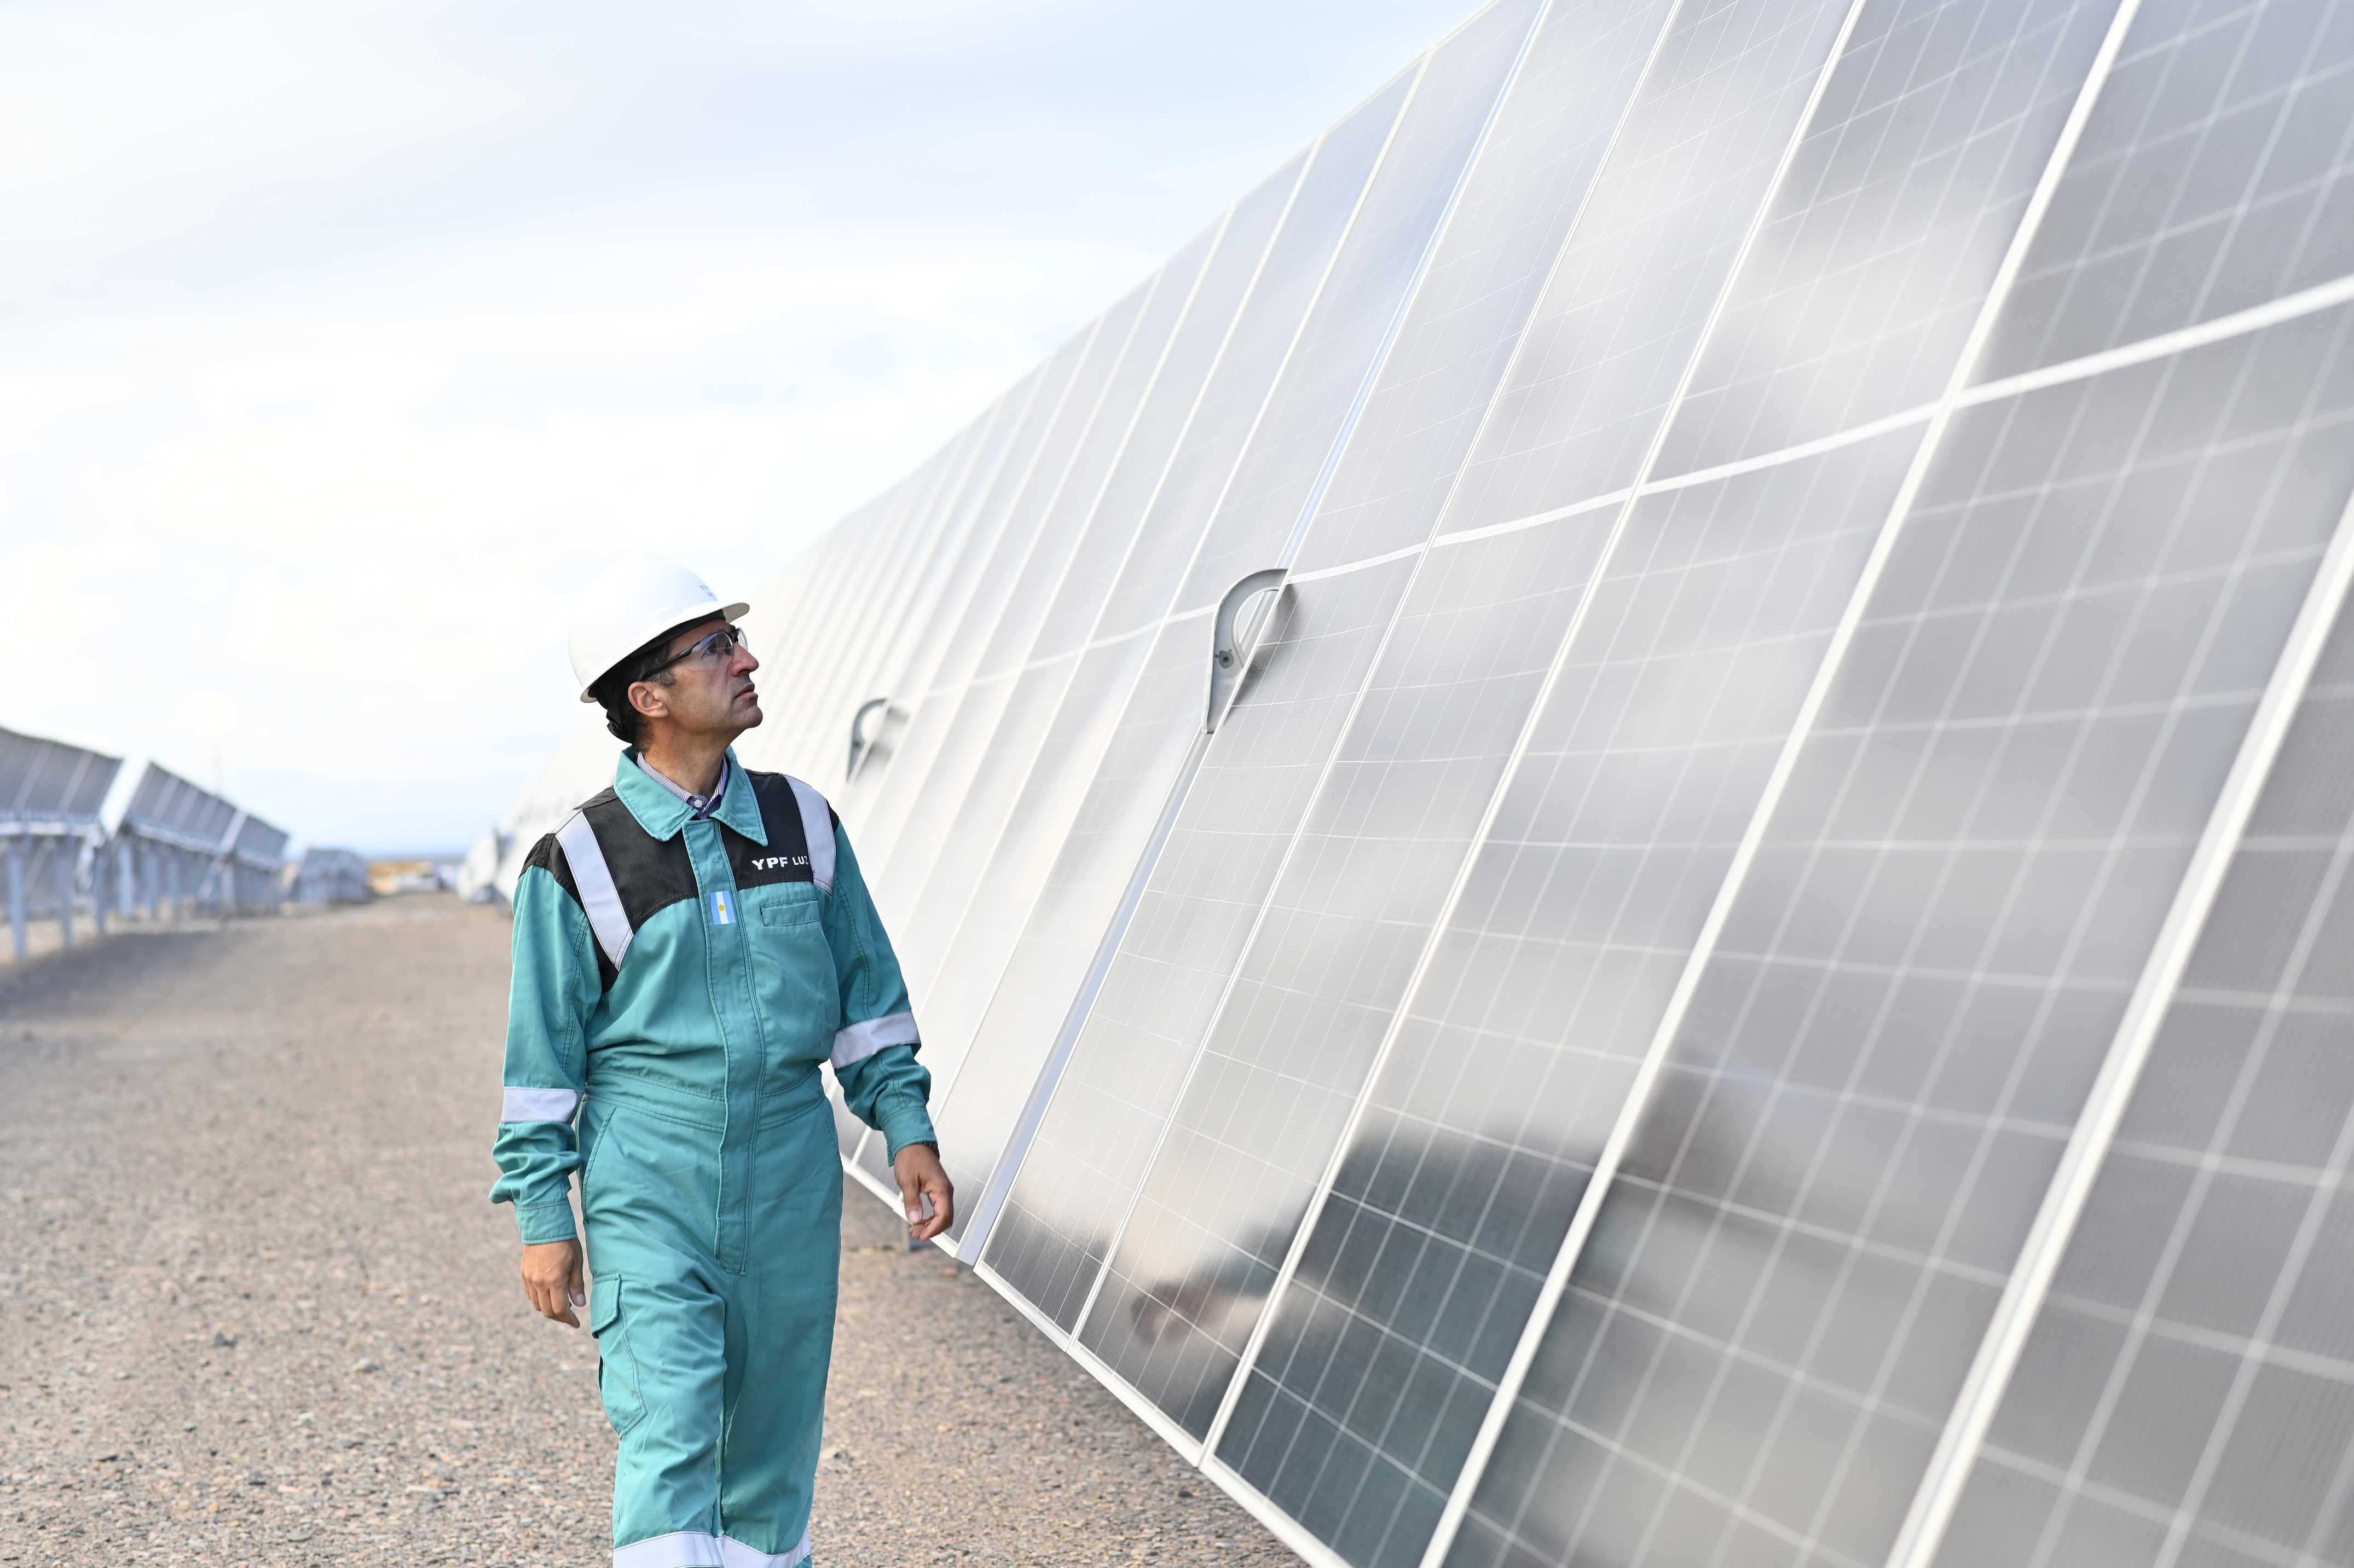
342, 342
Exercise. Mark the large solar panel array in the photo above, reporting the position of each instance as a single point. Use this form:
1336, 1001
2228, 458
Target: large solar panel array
1762, 969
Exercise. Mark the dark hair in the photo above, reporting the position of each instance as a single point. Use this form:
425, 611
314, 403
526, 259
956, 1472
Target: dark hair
611, 689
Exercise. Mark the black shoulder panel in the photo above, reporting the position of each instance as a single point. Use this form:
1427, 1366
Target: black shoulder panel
650, 874
548, 856
786, 856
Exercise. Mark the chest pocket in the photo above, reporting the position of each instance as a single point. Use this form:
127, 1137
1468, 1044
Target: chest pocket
792, 969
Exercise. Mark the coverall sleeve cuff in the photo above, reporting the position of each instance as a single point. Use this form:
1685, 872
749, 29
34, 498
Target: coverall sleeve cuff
544, 1222
904, 1121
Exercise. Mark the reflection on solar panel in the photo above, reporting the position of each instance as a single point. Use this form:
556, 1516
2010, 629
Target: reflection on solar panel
1762, 969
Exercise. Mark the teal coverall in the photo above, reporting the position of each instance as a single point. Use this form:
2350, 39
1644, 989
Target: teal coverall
678, 978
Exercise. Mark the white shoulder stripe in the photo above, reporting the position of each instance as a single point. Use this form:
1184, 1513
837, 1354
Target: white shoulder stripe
539, 1105
599, 899
817, 827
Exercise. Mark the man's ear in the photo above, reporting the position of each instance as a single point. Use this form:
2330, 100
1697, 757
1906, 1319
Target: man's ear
649, 699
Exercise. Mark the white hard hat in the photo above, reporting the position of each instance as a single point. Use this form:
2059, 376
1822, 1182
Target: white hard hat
630, 604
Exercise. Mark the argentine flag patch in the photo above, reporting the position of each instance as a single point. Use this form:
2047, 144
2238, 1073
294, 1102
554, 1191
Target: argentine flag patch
722, 912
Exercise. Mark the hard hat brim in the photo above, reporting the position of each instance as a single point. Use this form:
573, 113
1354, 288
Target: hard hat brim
722, 611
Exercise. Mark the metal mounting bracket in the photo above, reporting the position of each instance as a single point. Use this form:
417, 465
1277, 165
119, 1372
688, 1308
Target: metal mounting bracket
1227, 656
860, 743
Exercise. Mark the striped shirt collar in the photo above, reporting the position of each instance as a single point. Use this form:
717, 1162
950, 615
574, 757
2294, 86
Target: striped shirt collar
701, 805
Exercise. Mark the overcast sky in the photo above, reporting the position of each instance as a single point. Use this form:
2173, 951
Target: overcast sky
338, 343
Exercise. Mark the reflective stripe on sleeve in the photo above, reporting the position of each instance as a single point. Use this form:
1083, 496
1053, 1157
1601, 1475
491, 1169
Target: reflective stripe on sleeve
860, 1041
817, 828
599, 899
539, 1105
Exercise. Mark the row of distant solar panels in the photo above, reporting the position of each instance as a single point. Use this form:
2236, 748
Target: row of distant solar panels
46, 783
1759, 976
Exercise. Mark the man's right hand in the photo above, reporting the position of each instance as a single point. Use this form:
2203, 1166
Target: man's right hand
551, 1278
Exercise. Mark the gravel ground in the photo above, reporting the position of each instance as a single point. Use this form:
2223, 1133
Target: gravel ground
254, 1308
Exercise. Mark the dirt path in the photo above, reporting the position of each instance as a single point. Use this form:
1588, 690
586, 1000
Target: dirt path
254, 1308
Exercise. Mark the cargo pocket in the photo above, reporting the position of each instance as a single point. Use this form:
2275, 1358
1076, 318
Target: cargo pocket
617, 1369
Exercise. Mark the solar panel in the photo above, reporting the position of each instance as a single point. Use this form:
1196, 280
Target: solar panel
916, 646
1456, 1185
1156, 722
1101, 672
2184, 1388
1857, 1116
1689, 165
1758, 971
1273, 489
1005, 761
2211, 180
1010, 598
1339, 347
1130, 1062
1000, 540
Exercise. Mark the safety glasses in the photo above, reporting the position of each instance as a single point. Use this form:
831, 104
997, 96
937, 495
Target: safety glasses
718, 646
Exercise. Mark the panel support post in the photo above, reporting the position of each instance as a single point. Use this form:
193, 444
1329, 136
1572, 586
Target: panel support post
101, 865
17, 895
62, 858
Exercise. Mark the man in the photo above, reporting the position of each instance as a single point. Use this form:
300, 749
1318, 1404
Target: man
689, 946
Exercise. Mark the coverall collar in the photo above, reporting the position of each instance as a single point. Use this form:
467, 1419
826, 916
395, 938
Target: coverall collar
662, 814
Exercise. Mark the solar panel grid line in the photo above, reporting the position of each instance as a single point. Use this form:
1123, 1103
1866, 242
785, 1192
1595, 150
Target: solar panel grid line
966, 745
1324, 1186
2105, 1107
2247, 1546
1307, 171
808, 638
1209, 373
1810, 78
959, 641
1673, 482
1097, 634
791, 736
2096, 1129
1214, 242
974, 708
1317, 241
1639, 1095
928, 574
916, 535
1012, 755
1744, 566
1146, 297
976, 537
1136, 890
1159, 577
1314, 499
1050, 1079
1307, 317
2098, 309
1406, 298
869, 569
2254, 318
1167, 1124
1141, 872
2142, 776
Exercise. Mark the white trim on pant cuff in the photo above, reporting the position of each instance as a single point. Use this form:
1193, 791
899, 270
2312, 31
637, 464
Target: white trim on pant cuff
700, 1548
860, 1040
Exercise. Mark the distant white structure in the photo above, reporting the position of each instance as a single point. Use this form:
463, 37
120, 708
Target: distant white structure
332, 876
